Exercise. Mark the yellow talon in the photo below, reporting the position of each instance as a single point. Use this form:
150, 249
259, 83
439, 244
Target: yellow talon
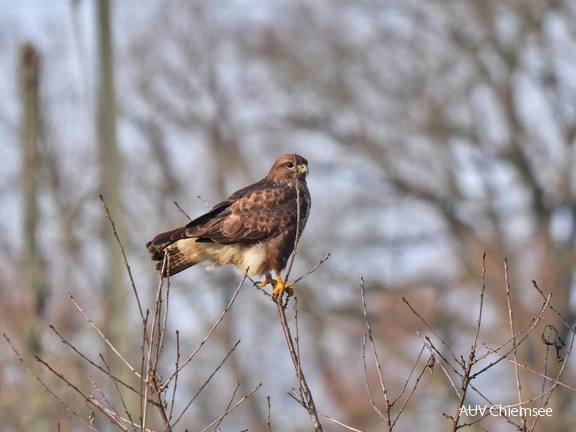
280, 288
267, 281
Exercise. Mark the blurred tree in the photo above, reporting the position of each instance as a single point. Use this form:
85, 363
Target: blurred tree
32, 272
33, 279
114, 294
464, 111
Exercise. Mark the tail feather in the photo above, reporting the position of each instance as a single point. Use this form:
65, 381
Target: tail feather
173, 257
156, 251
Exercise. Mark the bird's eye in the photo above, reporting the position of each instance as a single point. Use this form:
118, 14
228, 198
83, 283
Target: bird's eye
290, 165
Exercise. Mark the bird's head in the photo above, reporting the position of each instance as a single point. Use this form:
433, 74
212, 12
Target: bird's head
289, 166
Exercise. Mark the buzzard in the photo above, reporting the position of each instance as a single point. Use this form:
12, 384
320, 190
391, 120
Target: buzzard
255, 228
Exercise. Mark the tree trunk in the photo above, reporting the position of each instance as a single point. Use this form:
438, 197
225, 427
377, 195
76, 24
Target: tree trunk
32, 279
114, 294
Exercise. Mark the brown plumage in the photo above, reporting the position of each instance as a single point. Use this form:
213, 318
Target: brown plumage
254, 229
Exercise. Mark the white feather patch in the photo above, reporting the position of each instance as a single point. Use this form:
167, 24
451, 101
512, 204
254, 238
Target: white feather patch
242, 257
254, 258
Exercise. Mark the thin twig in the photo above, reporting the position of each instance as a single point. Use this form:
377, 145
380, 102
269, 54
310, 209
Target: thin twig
298, 279
205, 202
558, 314
525, 332
182, 210
124, 259
479, 320
307, 401
115, 381
173, 401
46, 388
387, 403
155, 345
554, 381
88, 398
345, 426
434, 351
203, 341
110, 408
312, 270
431, 330
218, 420
205, 383
412, 390
229, 409
162, 328
94, 364
297, 345
111, 414
112, 347
370, 398
143, 390
298, 228
269, 415
512, 332
150, 363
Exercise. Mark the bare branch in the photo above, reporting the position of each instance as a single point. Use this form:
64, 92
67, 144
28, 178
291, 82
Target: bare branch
306, 399
433, 332
387, 403
125, 260
203, 341
350, 428
95, 327
181, 210
46, 388
229, 409
298, 228
205, 383
479, 320
512, 332
312, 270
87, 359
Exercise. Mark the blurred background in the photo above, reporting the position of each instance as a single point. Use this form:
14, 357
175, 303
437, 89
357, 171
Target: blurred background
436, 131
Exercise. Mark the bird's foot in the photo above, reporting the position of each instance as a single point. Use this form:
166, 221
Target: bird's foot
281, 288
268, 280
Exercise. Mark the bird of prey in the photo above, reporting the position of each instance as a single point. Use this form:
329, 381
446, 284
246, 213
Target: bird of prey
255, 229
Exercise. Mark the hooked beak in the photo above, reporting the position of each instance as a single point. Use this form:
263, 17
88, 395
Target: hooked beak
302, 169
